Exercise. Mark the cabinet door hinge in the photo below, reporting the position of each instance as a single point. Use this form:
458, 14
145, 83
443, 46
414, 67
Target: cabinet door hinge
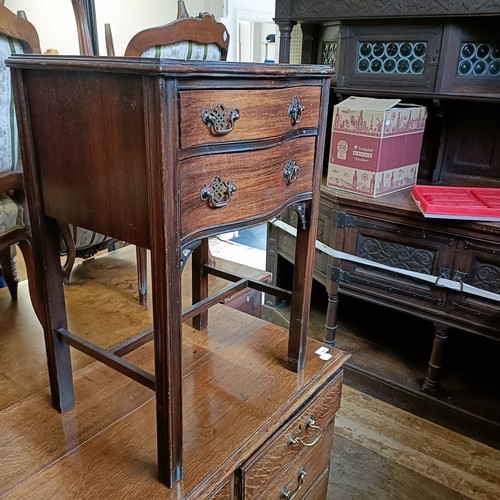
341, 220
336, 274
443, 272
459, 276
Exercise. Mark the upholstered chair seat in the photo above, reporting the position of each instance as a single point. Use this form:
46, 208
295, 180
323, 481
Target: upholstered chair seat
186, 50
11, 215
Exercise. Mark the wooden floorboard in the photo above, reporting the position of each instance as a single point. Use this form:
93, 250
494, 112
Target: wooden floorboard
379, 451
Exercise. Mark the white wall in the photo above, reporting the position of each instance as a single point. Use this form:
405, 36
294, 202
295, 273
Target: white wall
261, 11
55, 20
56, 26
127, 19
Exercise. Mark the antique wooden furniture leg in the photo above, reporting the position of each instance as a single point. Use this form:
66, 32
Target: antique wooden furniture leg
50, 284
166, 284
70, 251
199, 281
142, 274
332, 289
26, 248
8, 264
432, 383
304, 261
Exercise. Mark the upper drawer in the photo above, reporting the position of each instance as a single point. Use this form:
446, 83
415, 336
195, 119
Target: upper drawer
309, 427
257, 113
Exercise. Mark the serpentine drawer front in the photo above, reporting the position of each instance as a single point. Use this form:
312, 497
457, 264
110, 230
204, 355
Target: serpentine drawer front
212, 116
307, 433
226, 188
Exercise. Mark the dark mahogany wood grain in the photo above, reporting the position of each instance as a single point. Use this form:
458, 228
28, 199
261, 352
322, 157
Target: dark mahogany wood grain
101, 142
254, 173
264, 114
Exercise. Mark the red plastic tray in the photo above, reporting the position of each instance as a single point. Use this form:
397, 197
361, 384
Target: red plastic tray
458, 202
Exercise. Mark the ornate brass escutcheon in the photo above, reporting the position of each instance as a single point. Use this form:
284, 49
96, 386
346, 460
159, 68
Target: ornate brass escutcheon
220, 120
219, 193
290, 171
295, 111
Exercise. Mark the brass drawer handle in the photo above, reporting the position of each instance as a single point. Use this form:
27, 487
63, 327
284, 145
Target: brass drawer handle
220, 119
219, 193
312, 424
290, 172
286, 494
295, 111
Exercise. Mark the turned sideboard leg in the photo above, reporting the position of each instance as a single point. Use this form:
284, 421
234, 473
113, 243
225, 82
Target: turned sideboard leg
332, 289
432, 384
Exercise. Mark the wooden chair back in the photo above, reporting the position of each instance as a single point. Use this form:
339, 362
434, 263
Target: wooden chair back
13, 26
201, 30
16, 35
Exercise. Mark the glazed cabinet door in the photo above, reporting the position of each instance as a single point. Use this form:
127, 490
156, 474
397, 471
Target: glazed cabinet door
472, 65
394, 56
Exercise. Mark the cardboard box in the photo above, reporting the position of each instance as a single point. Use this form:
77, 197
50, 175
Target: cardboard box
375, 147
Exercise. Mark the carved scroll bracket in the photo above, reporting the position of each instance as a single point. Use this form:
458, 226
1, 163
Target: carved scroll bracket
300, 210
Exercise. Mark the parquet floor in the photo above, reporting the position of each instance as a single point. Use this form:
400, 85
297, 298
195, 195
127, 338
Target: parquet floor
380, 452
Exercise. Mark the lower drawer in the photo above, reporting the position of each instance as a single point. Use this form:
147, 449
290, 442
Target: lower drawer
225, 492
319, 489
247, 301
300, 478
307, 432
217, 190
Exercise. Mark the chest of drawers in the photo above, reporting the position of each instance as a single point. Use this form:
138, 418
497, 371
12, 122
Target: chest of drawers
164, 154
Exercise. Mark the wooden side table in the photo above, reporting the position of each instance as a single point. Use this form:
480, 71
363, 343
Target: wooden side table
164, 154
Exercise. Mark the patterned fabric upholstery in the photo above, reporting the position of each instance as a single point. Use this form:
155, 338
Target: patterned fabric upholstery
8, 128
11, 213
87, 242
188, 51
